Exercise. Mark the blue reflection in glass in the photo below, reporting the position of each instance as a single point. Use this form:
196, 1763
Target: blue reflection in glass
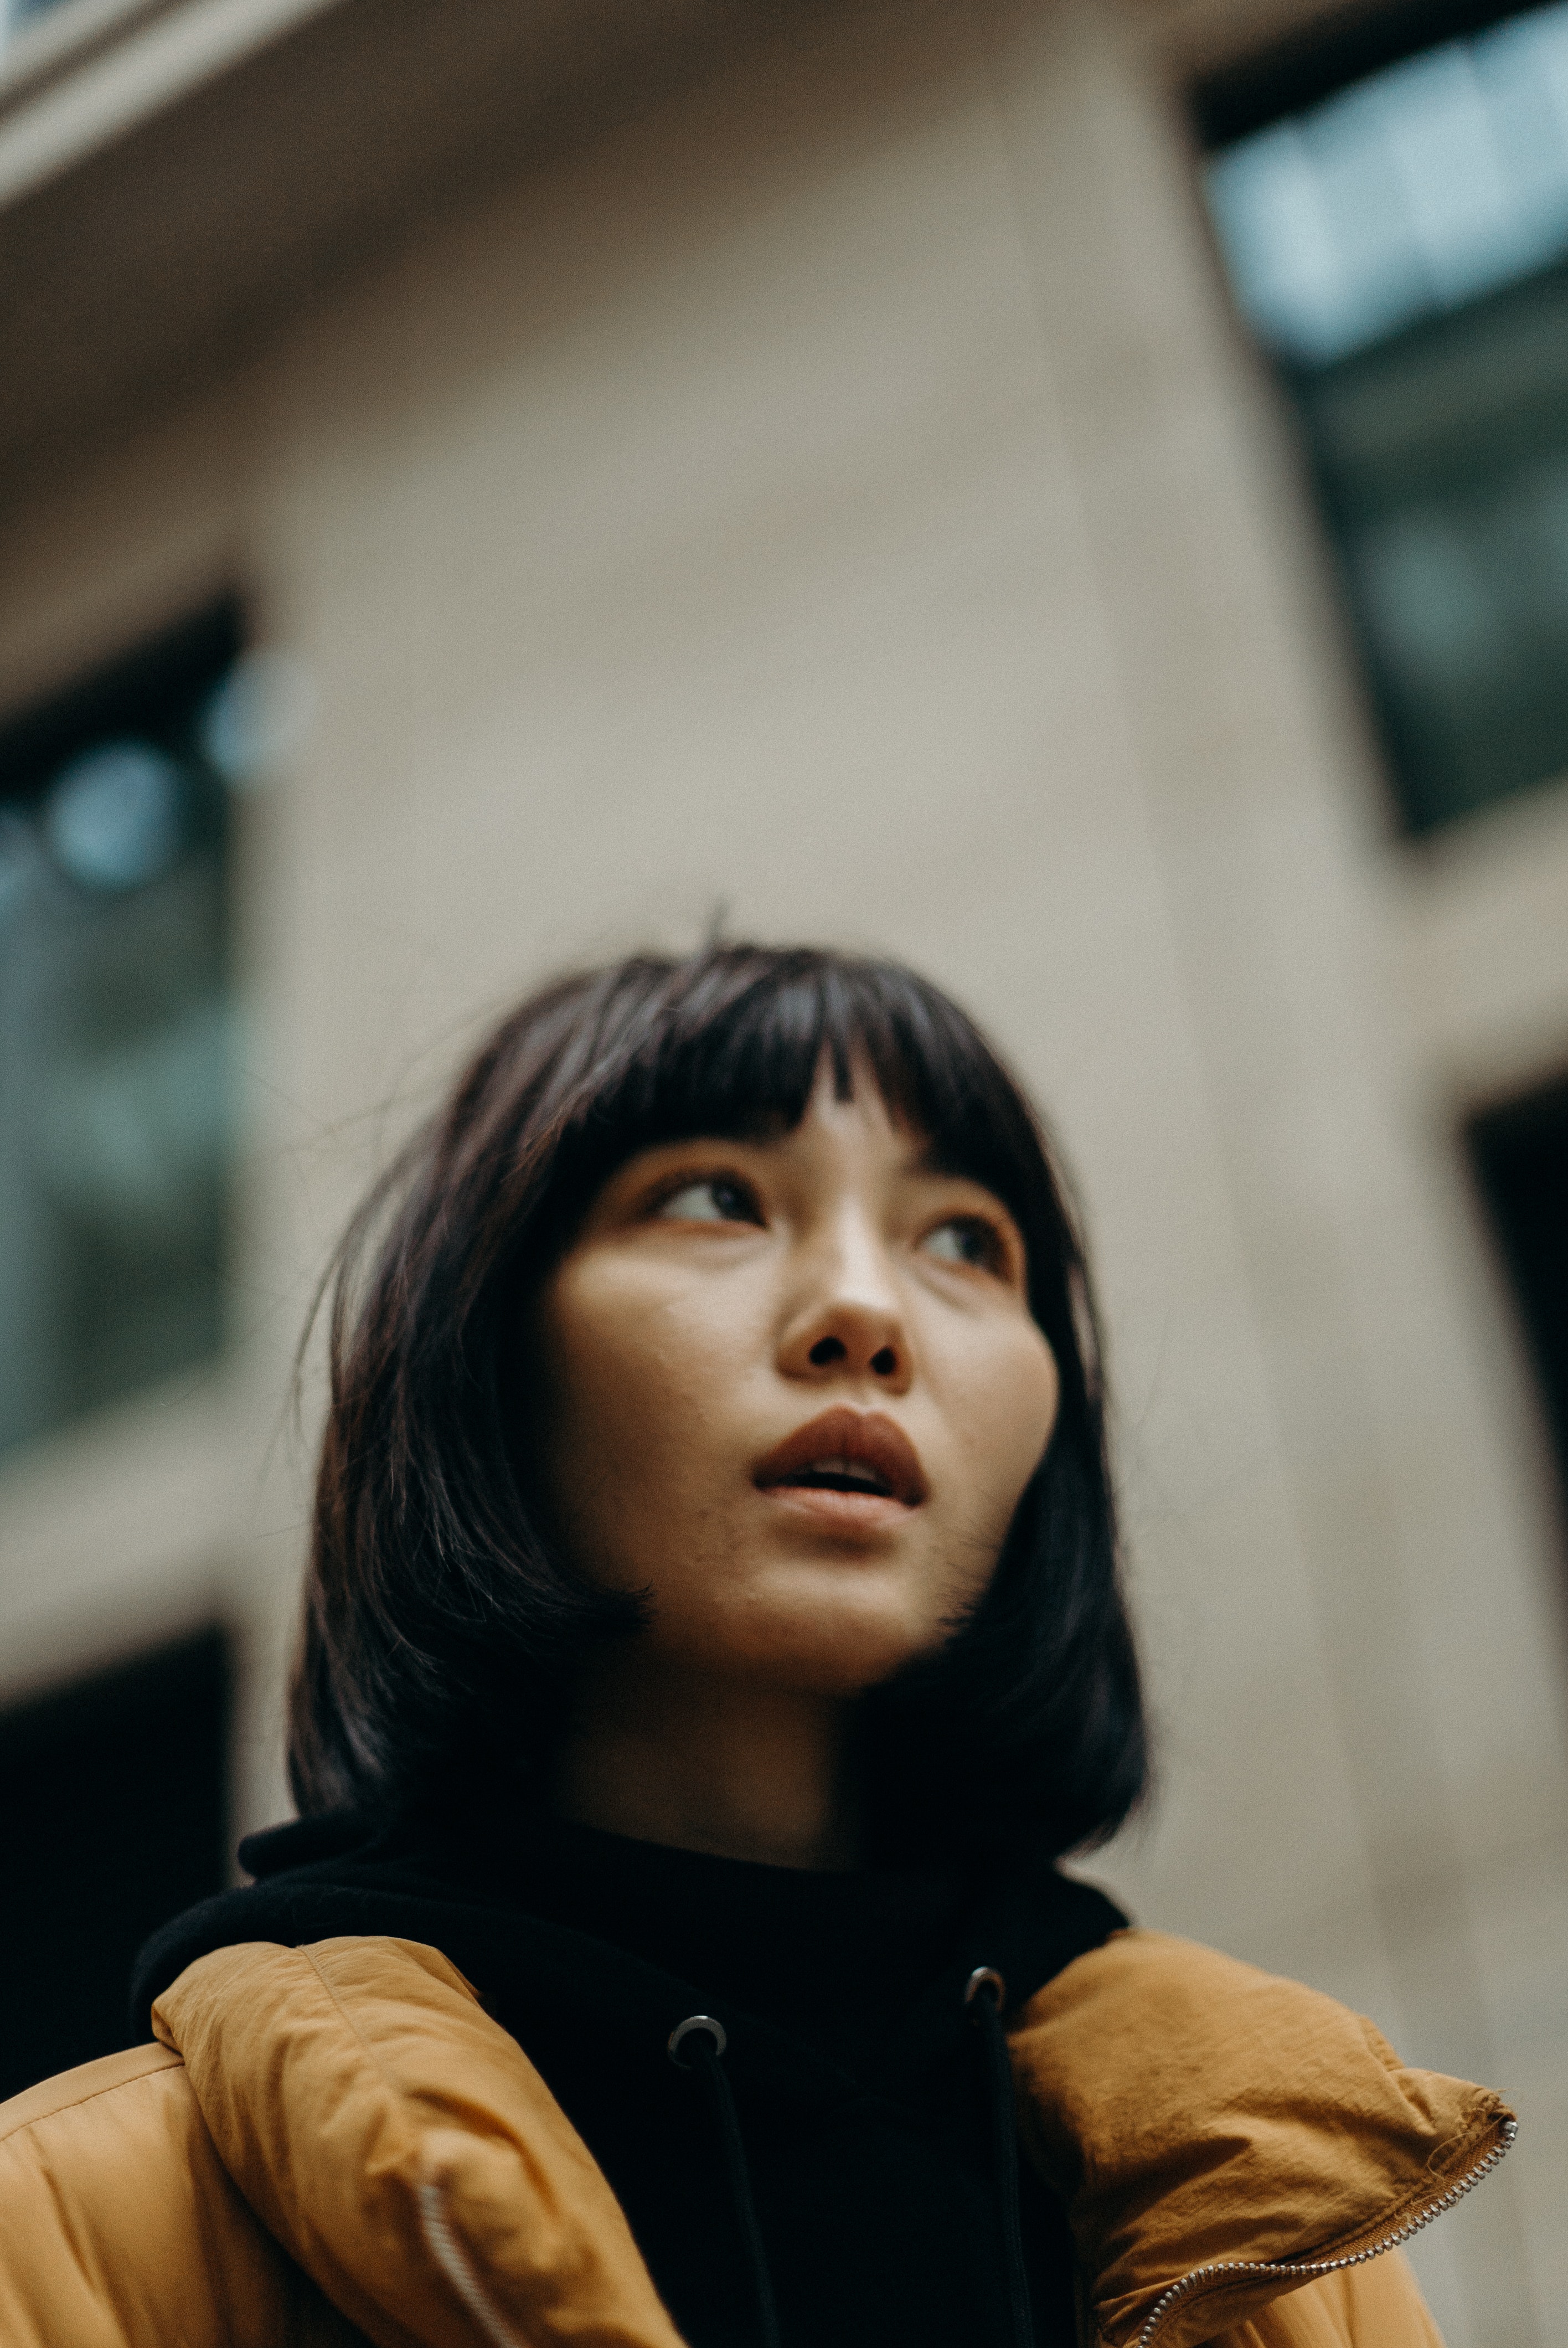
112, 819
1411, 194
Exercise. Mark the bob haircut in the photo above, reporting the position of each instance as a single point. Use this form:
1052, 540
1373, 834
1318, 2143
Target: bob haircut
440, 1634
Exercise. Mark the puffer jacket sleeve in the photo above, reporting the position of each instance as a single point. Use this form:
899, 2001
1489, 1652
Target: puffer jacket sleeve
1240, 2157
120, 2228
405, 2151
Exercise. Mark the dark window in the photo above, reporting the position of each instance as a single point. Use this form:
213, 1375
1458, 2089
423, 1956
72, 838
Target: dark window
113, 1817
1401, 247
1520, 1155
115, 1029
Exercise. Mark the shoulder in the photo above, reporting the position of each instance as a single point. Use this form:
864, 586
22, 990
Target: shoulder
71, 2091
122, 2225
1161, 1965
121, 2123
1171, 2024
1222, 2137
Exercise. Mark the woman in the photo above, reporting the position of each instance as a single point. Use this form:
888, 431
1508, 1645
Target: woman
712, 1636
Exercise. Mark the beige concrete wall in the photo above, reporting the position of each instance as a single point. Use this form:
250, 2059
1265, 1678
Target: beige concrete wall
842, 496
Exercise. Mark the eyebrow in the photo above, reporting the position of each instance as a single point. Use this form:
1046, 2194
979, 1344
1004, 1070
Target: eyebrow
928, 1155
931, 1158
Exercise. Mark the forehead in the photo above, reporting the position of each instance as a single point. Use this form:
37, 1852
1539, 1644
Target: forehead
857, 1131
861, 1122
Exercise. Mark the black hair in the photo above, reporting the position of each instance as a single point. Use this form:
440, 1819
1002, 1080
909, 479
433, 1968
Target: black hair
440, 1630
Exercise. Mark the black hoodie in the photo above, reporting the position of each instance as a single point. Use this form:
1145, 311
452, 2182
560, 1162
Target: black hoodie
854, 2163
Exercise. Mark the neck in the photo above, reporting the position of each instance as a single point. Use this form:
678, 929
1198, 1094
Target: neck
674, 1756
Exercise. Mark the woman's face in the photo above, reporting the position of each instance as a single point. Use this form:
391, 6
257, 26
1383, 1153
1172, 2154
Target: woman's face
791, 1391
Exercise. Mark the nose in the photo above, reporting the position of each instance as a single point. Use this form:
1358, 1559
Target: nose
850, 1323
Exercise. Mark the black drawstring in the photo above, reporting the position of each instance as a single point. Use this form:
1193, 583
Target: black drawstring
699, 2043
985, 1995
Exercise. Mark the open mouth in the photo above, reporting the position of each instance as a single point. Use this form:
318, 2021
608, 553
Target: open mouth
863, 1455
841, 1476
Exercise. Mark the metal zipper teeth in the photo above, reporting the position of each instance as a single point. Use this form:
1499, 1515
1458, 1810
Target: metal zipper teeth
1307, 2270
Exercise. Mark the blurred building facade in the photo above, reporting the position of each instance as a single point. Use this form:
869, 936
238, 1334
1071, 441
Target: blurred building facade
486, 489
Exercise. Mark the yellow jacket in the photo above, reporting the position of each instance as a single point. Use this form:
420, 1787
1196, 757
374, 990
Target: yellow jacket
336, 2143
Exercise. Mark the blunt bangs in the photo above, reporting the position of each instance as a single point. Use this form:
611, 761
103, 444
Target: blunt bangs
440, 1635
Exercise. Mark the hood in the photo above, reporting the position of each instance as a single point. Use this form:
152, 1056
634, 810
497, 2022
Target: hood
1221, 2137
468, 1896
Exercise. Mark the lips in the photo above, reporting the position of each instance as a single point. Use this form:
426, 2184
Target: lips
857, 1453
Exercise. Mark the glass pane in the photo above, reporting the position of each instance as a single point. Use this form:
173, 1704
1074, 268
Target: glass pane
1402, 249
114, 1033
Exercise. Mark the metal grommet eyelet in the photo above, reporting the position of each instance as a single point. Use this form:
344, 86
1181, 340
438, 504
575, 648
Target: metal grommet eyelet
708, 2024
986, 1977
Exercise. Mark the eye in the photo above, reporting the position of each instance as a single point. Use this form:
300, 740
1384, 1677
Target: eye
716, 1199
967, 1240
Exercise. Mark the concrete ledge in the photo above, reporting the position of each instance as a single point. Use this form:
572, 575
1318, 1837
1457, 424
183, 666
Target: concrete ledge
62, 98
176, 174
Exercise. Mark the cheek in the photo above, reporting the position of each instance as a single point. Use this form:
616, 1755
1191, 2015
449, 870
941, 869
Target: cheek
609, 1380
632, 1389
1008, 1409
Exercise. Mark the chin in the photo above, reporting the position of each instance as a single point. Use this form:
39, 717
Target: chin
843, 1655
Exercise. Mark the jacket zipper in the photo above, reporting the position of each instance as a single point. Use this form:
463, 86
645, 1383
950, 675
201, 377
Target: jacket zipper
1308, 2269
455, 2263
